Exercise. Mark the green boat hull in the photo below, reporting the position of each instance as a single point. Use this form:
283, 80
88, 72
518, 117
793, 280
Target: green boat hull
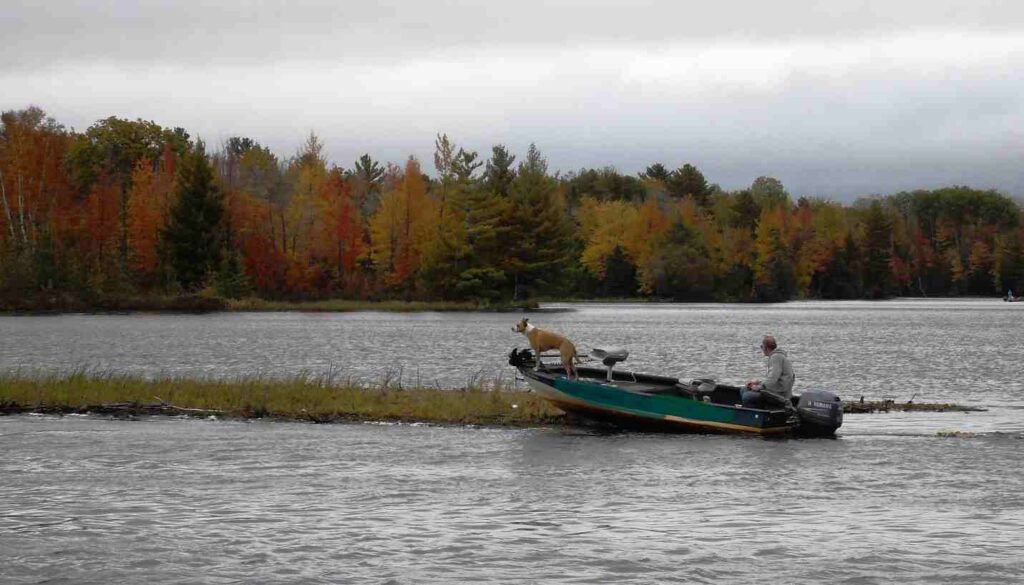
647, 403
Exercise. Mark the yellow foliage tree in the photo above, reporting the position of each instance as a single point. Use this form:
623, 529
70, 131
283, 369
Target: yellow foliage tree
651, 222
604, 225
402, 227
310, 172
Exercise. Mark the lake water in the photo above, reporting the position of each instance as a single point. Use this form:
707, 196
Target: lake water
84, 499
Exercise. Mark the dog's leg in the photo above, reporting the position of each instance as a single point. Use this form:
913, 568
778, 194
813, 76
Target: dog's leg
567, 354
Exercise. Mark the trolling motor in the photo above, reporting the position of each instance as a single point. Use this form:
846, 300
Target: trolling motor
521, 358
609, 357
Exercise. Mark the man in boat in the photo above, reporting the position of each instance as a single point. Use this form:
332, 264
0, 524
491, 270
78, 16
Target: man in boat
776, 390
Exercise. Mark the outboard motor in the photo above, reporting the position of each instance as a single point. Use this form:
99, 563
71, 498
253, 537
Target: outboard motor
522, 358
820, 413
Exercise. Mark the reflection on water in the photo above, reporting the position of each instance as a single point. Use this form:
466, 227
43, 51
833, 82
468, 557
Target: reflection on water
86, 500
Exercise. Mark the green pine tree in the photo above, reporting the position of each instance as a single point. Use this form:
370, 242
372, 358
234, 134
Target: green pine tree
498, 174
231, 282
877, 252
680, 268
689, 181
539, 230
193, 233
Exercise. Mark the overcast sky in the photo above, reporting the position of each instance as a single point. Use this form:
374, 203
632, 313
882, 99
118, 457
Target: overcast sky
836, 98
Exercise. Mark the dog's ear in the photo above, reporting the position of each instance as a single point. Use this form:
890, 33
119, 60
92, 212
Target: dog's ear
525, 319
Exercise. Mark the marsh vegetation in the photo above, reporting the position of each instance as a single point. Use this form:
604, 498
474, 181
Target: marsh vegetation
320, 399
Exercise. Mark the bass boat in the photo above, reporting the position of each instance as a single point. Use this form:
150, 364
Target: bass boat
663, 403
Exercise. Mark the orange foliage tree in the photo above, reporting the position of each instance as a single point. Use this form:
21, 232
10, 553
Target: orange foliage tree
402, 228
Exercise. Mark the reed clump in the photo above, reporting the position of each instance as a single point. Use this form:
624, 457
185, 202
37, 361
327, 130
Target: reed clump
303, 397
873, 406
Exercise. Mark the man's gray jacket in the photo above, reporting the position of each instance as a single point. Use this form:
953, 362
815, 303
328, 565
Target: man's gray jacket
780, 376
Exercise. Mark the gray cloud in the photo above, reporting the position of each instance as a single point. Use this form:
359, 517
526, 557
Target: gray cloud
836, 99
39, 34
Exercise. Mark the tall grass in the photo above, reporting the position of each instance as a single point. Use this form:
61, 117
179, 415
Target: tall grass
303, 397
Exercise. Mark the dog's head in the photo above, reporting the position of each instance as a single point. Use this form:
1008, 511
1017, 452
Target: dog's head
521, 325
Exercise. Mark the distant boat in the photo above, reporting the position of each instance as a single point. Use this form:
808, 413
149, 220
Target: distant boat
662, 403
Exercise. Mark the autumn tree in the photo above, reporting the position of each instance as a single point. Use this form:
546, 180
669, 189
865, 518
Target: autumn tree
774, 277
108, 153
402, 227
338, 230
769, 192
36, 203
605, 227
150, 198
679, 268
307, 174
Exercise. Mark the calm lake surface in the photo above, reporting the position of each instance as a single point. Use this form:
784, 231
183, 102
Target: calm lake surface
84, 499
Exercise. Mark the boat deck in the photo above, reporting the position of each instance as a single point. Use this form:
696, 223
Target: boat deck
722, 394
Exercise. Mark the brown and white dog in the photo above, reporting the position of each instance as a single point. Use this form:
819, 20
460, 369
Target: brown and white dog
541, 340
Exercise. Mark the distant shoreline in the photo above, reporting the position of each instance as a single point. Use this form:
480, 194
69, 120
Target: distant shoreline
205, 304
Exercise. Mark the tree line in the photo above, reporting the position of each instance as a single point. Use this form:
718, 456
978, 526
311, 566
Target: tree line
132, 208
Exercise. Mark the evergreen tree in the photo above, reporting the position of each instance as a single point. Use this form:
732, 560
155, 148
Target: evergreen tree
658, 172
368, 176
877, 252
464, 260
1010, 275
484, 211
193, 233
841, 277
619, 276
605, 184
680, 268
689, 181
746, 211
498, 174
539, 231
231, 282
